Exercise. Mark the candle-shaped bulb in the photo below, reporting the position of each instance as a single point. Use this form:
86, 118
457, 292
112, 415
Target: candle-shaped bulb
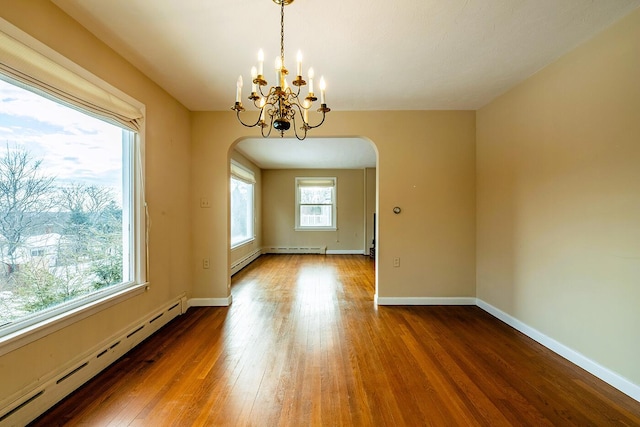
254, 74
311, 74
279, 71
239, 89
262, 104
323, 86
299, 63
260, 62
305, 111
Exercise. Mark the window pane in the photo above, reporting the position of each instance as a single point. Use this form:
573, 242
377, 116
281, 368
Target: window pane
61, 204
241, 211
315, 215
316, 195
316, 203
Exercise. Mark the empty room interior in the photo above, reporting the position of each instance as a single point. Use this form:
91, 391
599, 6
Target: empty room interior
468, 168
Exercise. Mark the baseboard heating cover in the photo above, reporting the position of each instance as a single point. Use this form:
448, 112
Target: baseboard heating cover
244, 261
26, 405
322, 250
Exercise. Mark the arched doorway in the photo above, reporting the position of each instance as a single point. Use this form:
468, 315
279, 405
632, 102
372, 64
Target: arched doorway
351, 161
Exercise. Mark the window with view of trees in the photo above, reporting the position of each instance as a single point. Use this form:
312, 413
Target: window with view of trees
65, 204
316, 204
242, 210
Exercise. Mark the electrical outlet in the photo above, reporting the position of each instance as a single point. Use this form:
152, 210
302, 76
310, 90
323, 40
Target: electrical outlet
205, 263
205, 203
396, 262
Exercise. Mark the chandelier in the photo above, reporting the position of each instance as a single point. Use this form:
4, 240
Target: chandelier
282, 105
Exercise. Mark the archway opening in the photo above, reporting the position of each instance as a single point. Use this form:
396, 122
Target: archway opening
351, 162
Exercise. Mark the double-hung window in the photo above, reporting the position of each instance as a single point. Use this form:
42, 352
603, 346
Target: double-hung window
71, 202
316, 203
242, 210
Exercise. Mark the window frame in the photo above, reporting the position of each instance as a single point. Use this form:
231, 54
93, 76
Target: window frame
47, 321
334, 203
241, 173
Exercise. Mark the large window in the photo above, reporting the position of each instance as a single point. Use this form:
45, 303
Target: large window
242, 211
71, 204
316, 203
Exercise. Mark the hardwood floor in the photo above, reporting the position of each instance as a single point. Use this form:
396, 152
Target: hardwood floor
303, 344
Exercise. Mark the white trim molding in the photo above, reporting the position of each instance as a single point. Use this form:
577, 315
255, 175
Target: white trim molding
605, 374
210, 302
425, 300
610, 377
295, 250
345, 252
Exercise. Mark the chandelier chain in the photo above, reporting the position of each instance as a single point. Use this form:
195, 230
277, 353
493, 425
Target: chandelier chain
282, 31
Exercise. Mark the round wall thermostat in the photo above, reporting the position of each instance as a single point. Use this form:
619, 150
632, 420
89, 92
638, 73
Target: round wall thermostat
397, 210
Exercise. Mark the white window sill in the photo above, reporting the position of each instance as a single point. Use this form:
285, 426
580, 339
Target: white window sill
243, 243
29, 334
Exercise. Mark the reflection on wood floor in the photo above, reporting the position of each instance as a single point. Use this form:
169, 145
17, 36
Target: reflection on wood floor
303, 344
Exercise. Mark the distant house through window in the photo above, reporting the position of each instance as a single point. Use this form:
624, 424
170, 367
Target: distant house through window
65, 223
242, 205
315, 203
72, 220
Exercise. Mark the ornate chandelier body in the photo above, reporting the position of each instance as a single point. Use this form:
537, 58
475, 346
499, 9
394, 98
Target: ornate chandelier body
281, 106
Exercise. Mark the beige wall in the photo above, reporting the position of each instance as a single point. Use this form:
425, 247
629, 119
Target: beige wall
167, 189
240, 252
279, 210
426, 165
558, 236
558, 190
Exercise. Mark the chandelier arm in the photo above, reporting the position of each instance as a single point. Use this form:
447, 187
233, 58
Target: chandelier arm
321, 122
269, 127
304, 127
245, 124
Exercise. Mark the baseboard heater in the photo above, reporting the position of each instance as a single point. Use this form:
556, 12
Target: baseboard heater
246, 260
322, 250
34, 400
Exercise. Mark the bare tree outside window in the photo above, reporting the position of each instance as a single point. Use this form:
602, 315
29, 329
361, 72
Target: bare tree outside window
24, 191
61, 204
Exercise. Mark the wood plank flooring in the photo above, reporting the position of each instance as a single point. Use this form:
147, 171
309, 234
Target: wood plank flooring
303, 345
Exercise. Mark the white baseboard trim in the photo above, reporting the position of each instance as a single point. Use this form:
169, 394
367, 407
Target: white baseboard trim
606, 375
295, 250
345, 252
27, 404
425, 301
210, 302
244, 261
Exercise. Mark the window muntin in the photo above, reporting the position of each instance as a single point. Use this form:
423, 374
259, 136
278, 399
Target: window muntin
69, 238
316, 203
242, 184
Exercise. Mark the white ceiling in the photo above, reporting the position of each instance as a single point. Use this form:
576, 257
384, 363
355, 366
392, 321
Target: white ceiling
374, 54
312, 153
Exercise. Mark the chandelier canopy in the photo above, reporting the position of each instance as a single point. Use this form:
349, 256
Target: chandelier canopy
281, 106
